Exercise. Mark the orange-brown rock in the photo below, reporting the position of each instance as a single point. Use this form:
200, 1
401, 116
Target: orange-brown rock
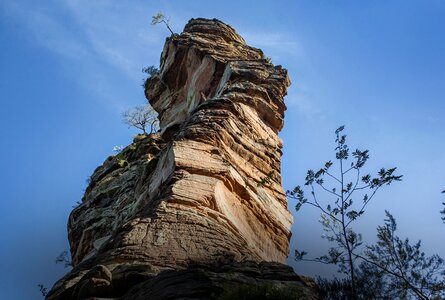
204, 190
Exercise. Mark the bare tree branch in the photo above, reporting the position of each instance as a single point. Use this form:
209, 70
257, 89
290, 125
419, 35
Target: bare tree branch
140, 117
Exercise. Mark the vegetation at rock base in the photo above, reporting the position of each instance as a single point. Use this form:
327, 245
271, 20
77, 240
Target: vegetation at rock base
259, 291
340, 289
392, 268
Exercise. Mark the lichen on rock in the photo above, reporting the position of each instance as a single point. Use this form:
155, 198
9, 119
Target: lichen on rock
206, 190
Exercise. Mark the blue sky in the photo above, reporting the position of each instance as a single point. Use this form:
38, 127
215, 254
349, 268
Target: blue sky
69, 68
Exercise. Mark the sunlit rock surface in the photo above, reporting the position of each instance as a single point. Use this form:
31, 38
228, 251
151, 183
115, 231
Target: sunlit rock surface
202, 196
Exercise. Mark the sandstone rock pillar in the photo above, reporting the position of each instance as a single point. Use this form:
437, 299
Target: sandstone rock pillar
206, 189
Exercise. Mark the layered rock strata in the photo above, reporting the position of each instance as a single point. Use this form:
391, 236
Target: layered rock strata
204, 190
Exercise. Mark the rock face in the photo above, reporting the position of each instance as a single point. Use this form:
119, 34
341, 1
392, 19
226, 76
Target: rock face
206, 190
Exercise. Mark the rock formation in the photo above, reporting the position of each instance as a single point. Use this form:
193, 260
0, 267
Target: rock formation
200, 198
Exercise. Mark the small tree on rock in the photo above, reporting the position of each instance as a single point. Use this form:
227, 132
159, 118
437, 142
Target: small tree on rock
151, 71
141, 117
160, 18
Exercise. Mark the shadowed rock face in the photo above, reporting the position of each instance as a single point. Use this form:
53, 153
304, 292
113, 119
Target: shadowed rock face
204, 190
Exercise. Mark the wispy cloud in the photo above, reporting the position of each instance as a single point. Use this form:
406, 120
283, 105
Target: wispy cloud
45, 30
275, 44
278, 45
93, 36
272, 40
301, 100
119, 33
90, 37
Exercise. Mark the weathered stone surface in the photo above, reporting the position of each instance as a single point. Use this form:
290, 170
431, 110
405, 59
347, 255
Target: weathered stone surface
204, 190
202, 282
125, 276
